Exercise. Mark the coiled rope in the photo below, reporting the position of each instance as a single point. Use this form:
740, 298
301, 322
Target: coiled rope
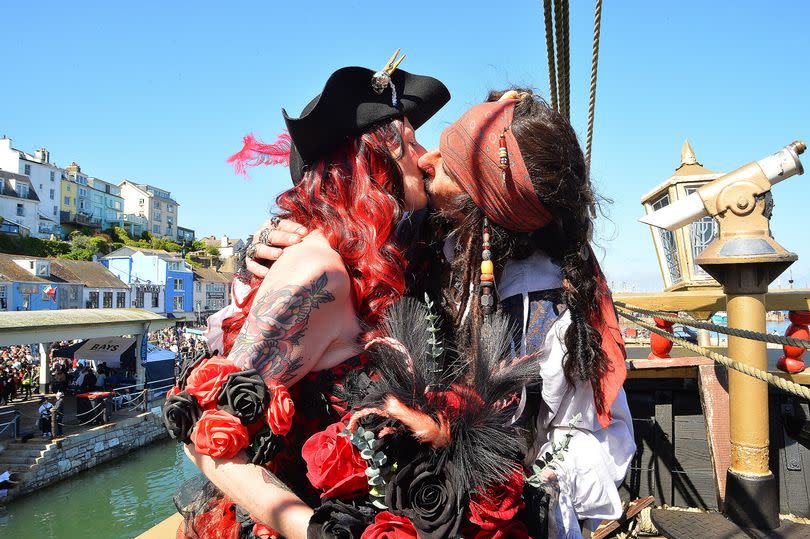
780, 383
736, 332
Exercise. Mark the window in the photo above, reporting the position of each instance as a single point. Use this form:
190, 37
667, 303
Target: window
20, 210
22, 190
53, 194
120, 300
54, 211
155, 300
139, 298
3, 302
92, 302
170, 208
156, 204
156, 229
173, 266
2, 185
82, 192
69, 188
178, 285
178, 303
668, 244
52, 176
73, 293
156, 216
27, 170
67, 201
108, 300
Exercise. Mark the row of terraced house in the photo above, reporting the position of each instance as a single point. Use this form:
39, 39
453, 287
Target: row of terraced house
150, 279
40, 199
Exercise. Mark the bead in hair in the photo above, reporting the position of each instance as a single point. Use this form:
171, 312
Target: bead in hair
503, 154
487, 273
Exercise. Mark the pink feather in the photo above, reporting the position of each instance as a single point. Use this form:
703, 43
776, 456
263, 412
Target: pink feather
255, 152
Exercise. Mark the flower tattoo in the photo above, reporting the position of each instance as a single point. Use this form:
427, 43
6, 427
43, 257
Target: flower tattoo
276, 324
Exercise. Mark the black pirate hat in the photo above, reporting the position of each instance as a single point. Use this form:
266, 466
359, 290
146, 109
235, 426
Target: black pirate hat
349, 104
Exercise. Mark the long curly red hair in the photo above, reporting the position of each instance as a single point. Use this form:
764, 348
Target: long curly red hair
355, 197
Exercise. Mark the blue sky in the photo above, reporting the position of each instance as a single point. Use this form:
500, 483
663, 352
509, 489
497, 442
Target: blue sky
162, 92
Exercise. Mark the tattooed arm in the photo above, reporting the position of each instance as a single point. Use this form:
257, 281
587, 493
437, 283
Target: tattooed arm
293, 323
301, 319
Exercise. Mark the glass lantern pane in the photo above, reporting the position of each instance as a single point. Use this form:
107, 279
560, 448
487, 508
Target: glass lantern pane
668, 244
701, 234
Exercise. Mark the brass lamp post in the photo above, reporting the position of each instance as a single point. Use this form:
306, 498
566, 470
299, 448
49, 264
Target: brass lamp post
745, 259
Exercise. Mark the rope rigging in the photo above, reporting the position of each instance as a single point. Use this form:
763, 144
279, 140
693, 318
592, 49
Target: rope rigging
558, 52
780, 383
698, 324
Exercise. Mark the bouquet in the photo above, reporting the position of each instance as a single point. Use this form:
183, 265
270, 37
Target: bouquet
435, 450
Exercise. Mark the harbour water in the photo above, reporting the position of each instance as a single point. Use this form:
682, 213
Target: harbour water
119, 499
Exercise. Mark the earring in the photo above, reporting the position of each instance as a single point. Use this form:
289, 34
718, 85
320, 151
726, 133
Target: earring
487, 273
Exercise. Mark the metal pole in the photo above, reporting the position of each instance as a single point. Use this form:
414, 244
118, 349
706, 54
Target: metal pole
44, 368
752, 492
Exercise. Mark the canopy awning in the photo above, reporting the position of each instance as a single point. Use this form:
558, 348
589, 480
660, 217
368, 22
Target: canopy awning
153, 353
108, 350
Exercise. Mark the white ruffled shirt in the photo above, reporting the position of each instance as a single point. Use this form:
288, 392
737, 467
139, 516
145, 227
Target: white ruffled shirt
597, 459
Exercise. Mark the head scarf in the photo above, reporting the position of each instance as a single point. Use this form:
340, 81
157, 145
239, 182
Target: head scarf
469, 149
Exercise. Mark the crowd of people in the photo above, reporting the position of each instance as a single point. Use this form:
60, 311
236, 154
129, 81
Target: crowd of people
179, 341
19, 367
19, 374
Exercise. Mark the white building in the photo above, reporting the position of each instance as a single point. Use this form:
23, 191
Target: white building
45, 178
155, 205
227, 246
211, 291
19, 206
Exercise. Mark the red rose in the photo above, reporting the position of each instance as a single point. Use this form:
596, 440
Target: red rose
333, 464
205, 381
498, 504
218, 434
172, 392
280, 411
262, 531
513, 529
389, 526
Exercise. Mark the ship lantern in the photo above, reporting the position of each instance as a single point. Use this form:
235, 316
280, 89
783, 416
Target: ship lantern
678, 250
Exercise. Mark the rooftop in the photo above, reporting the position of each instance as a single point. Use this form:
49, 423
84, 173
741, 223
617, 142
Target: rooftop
211, 275
128, 251
9, 191
90, 274
49, 326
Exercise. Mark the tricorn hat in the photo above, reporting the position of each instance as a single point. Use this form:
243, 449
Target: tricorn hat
349, 104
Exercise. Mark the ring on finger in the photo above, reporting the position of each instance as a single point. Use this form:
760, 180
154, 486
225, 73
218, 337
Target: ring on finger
275, 221
251, 251
264, 235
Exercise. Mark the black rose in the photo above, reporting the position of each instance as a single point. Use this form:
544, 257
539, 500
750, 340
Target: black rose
338, 520
189, 364
244, 395
426, 493
265, 446
180, 413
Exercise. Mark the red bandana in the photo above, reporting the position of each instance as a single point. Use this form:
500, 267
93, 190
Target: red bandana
469, 148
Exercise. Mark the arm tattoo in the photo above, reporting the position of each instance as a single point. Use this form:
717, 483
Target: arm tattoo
275, 326
271, 479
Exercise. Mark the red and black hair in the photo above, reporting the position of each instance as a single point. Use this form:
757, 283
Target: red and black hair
354, 196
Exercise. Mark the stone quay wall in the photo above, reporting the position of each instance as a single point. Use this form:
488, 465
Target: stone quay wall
79, 452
